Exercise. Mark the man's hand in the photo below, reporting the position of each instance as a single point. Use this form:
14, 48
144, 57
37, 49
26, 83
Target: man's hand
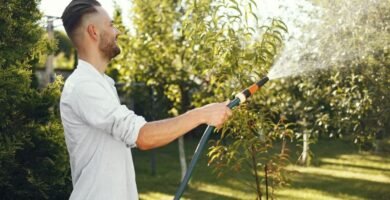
215, 114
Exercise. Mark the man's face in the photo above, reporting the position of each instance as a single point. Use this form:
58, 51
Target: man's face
108, 36
107, 44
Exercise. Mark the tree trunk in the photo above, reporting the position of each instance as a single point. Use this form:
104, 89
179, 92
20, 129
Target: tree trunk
256, 175
303, 159
153, 163
182, 156
185, 102
50, 58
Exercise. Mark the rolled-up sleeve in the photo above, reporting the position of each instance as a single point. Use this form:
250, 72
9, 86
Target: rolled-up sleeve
99, 109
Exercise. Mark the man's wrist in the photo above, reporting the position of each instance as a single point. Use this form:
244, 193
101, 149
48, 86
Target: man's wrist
197, 115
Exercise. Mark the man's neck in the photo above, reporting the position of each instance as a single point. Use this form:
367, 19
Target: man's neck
97, 62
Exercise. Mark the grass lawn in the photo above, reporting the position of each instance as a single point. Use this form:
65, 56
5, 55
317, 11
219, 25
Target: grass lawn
338, 172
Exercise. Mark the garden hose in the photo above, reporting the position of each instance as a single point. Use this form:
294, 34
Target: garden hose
239, 98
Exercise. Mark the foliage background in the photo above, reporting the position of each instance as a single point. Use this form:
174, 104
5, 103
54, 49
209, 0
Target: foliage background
185, 54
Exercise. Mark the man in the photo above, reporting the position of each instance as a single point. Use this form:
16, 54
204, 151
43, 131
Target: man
99, 132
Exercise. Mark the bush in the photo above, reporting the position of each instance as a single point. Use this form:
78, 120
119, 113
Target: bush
33, 158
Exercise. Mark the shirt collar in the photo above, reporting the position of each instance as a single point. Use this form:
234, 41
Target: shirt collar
82, 64
88, 66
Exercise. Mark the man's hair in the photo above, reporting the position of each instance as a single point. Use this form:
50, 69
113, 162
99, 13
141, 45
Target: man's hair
73, 13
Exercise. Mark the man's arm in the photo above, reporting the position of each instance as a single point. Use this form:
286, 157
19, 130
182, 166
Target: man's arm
158, 133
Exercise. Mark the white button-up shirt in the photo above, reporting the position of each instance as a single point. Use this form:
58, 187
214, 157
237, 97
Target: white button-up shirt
98, 134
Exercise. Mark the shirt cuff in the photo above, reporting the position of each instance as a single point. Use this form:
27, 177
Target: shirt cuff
138, 124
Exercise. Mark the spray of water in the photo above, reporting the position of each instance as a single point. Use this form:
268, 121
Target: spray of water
328, 36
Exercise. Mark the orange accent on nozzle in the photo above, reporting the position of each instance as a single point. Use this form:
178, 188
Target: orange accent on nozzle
253, 88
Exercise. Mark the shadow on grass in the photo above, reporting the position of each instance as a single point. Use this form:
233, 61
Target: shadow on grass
190, 194
197, 194
355, 165
346, 186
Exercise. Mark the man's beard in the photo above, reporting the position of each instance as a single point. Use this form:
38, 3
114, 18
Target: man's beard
108, 47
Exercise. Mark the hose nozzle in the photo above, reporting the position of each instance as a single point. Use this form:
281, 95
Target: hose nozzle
262, 81
251, 89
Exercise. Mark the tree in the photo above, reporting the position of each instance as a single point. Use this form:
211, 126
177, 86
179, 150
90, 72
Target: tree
188, 53
152, 65
33, 158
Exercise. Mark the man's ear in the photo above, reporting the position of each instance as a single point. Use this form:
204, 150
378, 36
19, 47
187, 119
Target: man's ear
92, 31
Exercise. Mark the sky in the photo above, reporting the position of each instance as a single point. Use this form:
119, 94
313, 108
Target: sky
56, 7
268, 8
287, 10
